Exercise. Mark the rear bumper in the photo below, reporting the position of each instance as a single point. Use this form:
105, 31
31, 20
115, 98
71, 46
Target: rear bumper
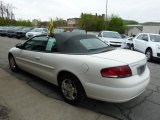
136, 85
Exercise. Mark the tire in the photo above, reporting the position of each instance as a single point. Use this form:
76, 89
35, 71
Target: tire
71, 89
149, 55
128, 46
132, 47
12, 63
18, 37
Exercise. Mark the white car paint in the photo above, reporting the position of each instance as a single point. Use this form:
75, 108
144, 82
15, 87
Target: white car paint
116, 42
87, 69
142, 45
36, 31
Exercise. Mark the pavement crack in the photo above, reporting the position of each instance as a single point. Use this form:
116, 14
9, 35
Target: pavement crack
122, 112
145, 98
153, 90
153, 102
4, 113
124, 109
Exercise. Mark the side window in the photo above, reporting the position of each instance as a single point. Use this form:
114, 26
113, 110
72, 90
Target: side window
145, 37
51, 45
36, 44
140, 37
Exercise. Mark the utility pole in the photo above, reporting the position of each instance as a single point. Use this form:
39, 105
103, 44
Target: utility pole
106, 9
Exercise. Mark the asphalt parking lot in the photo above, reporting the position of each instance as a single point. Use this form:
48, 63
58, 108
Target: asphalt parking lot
144, 107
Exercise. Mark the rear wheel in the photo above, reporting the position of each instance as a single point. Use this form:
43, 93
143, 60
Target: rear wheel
12, 63
71, 89
132, 47
149, 55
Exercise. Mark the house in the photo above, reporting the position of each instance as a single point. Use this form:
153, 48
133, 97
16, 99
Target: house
72, 23
151, 27
133, 30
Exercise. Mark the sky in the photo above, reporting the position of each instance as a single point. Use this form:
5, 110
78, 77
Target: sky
139, 10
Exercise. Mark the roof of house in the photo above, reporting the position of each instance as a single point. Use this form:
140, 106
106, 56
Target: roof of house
73, 18
151, 24
140, 27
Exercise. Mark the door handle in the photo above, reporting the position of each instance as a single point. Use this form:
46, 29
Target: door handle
37, 58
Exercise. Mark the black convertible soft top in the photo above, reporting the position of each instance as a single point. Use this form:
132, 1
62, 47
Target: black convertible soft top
69, 42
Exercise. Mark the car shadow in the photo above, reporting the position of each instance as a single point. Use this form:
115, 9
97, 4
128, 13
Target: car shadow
115, 110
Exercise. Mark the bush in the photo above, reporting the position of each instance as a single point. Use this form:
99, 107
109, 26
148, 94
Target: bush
116, 24
9, 22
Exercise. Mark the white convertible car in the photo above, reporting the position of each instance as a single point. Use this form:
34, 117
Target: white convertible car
83, 66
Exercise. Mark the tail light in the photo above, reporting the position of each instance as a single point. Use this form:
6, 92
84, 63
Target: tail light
117, 72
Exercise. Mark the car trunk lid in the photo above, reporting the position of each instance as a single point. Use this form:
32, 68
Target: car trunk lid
121, 55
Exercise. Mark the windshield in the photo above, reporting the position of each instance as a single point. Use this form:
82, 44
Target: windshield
36, 30
155, 38
111, 35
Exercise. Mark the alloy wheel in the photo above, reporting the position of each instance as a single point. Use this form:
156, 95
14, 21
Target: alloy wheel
12, 62
69, 89
148, 55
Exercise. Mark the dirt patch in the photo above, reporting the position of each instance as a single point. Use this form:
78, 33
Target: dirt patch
4, 113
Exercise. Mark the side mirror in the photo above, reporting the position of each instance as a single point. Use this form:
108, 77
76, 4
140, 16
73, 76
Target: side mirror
19, 45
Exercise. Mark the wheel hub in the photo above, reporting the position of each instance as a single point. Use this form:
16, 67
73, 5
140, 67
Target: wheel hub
12, 63
69, 90
148, 54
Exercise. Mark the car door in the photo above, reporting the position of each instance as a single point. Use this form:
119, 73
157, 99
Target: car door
137, 41
143, 43
49, 61
31, 55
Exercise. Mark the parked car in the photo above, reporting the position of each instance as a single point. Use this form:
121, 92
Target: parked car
58, 30
12, 32
36, 31
92, 33
79, 31
3, 31
22, 33
129, 42
9, 29
124, 36
148, 44
112, 38
83, 65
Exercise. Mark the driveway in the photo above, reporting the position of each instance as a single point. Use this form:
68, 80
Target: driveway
146, 106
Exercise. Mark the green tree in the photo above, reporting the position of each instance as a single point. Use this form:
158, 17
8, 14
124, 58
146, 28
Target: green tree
91, 22
59, 22
131, 22
116, 24
10, 22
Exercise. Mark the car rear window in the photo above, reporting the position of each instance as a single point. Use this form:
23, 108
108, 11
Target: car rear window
92, 44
